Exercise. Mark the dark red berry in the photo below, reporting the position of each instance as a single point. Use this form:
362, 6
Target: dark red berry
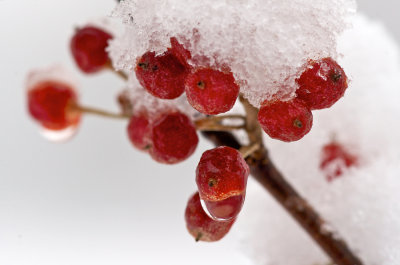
163, 75
182, 54
221, 173
201, 226
88, 47
335, 159
225, 209
51, 104
174, 138
139, 130
211, 91
322, 83
285, 120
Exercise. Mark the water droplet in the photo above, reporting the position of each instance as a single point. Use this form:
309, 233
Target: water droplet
224, 210
58, 136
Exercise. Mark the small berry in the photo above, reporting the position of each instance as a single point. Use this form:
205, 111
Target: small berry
182, 54
163, 75
139, 131
285, 120
211, 91
200, 225
50, 103
88, 47
225, 209
174, 138
335, 159
322, 83
221, 173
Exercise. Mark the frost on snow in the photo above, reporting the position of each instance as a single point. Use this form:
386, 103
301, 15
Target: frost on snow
265, 43
362, 204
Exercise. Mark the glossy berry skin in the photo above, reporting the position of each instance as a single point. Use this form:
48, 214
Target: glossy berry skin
221, 173
285, 120
139, 131
322, 83
200, 225
174, 138
163, 75
88, 47
211, 91
50, 102
225, 209
335, 159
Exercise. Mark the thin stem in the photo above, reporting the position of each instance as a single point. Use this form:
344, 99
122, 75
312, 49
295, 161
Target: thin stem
214, 123
99, 112
247, 151
217, 127
119, 73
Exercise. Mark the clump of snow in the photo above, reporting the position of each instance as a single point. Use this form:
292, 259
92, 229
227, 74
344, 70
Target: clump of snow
362, 204
265, 43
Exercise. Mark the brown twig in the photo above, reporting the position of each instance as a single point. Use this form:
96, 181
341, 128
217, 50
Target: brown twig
214, 123
99, 112
119, 73
265, 172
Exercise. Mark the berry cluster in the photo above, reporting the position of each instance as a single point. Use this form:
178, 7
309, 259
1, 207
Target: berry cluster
170, 136
320, 86
168, 75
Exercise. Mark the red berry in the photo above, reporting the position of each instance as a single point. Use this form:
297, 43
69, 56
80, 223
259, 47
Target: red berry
201, 226
211, 91
221, 173
163, 75
50, 103
285, 120
322, 83
226, 209
88, 47
174, 138
335, 159
139, 131
182, 54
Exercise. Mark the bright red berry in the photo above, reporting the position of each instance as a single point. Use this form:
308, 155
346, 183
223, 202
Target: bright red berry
221, 173
322, 83
51, 104
88, 47
211, 91
285, 120
163, 75
335, 159
174, 138
139, 131
201, 226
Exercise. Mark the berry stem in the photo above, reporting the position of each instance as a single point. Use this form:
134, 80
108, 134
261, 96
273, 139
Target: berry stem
265, 172
99, 112
248, 150
214, 123
120, 73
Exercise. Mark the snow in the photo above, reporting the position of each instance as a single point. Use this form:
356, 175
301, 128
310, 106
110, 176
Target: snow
265, 43
362, 205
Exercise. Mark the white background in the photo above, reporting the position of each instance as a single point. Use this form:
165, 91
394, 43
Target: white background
93, 200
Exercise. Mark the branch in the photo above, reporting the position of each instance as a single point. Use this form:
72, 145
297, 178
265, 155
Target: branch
265, 172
